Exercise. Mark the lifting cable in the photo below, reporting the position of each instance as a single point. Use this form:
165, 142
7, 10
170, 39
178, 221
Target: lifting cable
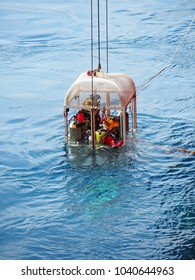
92, 89
99, 35
92, 41
99, 42
107, 36
148, 82
99, 56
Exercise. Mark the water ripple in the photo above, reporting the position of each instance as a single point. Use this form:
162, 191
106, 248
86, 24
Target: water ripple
60, 202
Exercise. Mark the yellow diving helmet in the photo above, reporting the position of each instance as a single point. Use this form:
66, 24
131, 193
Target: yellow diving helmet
110, 123
88, 102
99, 134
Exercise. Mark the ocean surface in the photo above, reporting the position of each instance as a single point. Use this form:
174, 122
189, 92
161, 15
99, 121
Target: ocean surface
59, 202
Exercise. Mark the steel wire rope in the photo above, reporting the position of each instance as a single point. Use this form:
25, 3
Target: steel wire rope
107, 35
99, 41
148, 81
92, 86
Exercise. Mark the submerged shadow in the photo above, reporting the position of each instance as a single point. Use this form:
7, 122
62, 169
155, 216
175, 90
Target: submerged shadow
85, 157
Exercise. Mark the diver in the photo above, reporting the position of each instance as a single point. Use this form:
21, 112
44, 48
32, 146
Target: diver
109, 134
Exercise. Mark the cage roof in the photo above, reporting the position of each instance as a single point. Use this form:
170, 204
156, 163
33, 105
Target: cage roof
120, 84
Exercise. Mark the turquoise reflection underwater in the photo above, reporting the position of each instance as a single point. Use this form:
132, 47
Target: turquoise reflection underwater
97, 174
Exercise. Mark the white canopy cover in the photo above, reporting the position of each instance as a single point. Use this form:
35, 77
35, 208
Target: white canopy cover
120, 87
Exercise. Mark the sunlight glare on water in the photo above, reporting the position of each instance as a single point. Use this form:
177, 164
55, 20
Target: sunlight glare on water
60, 202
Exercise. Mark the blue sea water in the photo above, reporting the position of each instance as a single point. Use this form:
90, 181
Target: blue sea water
57, 202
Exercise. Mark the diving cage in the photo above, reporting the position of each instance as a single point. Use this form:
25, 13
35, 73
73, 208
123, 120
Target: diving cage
95, 109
